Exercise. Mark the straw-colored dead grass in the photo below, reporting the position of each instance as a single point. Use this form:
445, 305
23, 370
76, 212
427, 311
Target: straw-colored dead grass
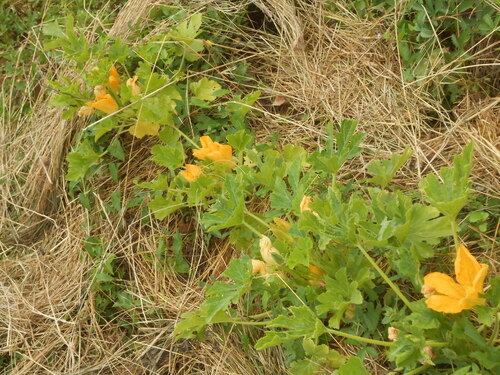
324, 67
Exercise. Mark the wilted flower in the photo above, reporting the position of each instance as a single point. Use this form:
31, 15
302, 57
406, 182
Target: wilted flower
259, 266
192, 172
85, 111
100, 90
267, 250
392, 333
134, 88
428, 350
452, 297
219, 153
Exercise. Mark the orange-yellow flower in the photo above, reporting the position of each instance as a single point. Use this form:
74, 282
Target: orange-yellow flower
192, 172
315, 281
104, 103
219, 153
114, 79
451, 297
134, 87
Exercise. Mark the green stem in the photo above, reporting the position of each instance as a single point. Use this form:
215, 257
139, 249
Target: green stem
186, 137
436, 344
454, 229
359, 338
496, 328
256, 218
393, 286
418, 370
252, 229
248, 323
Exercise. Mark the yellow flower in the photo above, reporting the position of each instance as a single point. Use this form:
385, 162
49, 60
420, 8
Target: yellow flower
448, 296
114, 79
219, 153
192, 172
134, 88
104, 103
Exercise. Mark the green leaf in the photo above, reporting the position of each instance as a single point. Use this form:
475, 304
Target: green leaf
301, 324
347, 147
228, 210
104, 127
171, 157
384, 170
161, 207
115, 149
450, 195
340, 293
221, 295
160, 183
80, 160
205, 89
354, 366
239, 140
300, 253
53, 29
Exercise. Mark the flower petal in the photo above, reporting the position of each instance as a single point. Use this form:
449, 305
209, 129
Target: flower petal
444, 304
478, 281
114, 78
466, 266
206, 141
444, 284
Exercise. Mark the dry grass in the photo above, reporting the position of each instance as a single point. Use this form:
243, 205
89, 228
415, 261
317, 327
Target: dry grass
326, 67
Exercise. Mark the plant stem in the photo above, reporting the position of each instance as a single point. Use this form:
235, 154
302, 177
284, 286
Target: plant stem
436, 344
359, 338
248, 323
252, 229
186, 137
454, 229
393, 286
418, 370
256, 218
496, 328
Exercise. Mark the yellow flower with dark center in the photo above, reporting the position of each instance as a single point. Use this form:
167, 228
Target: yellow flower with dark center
219, 153
114, 79
192, 172
448, 296
104, 103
